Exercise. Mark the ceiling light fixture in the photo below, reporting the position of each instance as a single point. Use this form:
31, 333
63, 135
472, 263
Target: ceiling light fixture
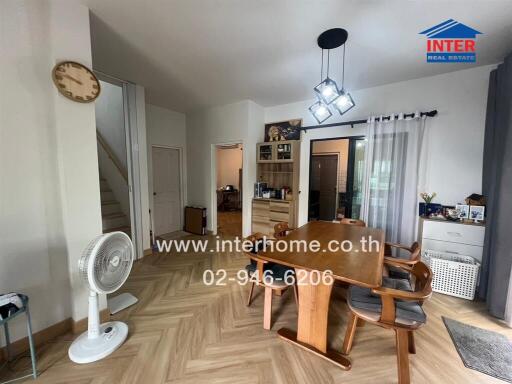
320, 111
327, 90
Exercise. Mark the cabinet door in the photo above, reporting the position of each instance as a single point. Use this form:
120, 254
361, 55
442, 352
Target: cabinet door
265, 152
284, 151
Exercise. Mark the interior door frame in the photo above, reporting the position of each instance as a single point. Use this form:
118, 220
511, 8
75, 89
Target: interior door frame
350, 172
213, 180
132, 157
182, 187
337, 176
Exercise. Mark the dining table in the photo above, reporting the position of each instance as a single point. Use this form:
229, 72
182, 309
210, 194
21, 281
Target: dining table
359, 262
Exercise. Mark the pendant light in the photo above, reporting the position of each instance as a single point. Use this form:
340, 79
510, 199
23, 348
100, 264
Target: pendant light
327, 91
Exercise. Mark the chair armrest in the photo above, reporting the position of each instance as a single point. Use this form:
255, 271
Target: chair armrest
403, 295
396, 245
400, 263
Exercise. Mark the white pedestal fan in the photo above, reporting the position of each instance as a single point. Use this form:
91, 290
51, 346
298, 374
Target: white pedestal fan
105, 265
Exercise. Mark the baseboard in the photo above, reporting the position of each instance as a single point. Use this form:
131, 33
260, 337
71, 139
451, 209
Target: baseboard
147, 252
20, 346
81, 325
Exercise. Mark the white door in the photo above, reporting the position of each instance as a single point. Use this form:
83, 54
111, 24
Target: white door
166, 190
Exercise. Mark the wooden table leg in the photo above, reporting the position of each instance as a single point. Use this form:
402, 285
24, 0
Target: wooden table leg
311, 332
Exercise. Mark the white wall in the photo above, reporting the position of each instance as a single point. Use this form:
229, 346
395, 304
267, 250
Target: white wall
166, 128
240, 122
49, 187
456, 134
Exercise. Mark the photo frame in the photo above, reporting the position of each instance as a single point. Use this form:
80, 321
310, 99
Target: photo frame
463, 211
283, 130
477, 213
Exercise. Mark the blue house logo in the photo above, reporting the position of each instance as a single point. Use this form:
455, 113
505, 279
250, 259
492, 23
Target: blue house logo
451, 42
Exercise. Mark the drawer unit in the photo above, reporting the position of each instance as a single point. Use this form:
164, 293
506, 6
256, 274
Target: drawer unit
260, 224
279, 206
260, 208
267, 212
453, 238
454, 232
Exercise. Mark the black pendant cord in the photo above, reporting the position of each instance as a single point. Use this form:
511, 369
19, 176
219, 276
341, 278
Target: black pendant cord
322, 68
343, 70
354, 122
328, 61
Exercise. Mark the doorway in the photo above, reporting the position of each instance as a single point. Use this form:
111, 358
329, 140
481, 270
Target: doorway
324, 185
118, 159
167, 194
336, 178
229, 188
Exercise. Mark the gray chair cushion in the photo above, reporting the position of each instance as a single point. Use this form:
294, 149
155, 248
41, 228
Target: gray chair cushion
278, 270
397, 273
362, 298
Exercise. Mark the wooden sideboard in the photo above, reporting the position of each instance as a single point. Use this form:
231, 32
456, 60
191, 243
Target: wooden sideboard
268, 212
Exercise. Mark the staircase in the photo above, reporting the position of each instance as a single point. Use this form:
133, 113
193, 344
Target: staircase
112, 216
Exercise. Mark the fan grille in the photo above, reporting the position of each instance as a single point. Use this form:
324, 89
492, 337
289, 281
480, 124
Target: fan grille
112, 258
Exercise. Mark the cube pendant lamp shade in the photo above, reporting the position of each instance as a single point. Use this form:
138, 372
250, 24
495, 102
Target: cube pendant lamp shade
320, 111
327, 91
344, 102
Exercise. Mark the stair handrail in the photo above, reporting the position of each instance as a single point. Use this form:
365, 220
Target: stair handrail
111, 155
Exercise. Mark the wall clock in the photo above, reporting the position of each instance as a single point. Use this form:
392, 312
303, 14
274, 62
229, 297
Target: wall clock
76, 82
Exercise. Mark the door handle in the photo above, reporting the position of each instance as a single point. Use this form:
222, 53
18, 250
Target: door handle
154, 193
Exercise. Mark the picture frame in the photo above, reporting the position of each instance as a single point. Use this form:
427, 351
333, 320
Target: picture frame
463, 210
477, 213
283, 130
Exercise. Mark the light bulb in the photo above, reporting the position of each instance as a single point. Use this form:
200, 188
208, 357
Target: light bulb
327, 91
342, 100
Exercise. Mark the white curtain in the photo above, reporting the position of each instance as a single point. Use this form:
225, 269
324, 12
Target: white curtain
394, 176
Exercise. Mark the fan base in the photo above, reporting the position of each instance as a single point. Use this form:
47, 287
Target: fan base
84, 350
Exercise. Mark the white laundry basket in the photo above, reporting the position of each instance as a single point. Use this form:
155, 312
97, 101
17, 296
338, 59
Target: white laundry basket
455, 275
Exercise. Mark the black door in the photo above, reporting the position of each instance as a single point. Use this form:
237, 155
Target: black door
324, 176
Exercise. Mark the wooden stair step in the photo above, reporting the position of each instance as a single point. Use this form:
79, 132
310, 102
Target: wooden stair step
125, 229
113, 215
109, 202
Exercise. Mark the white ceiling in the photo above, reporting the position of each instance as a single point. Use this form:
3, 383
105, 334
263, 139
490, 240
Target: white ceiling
191, 54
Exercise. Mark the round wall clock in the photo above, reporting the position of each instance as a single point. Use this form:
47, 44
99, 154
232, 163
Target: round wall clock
76, 82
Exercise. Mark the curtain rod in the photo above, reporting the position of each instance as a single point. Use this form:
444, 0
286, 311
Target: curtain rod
354, 122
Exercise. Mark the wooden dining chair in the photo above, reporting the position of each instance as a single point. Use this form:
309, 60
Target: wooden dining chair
281, 230
356, 222
413, 256
397, 305
271, 287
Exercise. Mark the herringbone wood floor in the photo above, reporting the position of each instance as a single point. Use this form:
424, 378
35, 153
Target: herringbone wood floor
182, 331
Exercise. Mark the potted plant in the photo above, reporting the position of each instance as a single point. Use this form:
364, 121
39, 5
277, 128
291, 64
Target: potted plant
427, 198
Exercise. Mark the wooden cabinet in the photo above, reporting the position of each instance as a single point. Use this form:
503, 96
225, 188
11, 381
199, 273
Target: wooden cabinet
268, 212
278, 167
277, 151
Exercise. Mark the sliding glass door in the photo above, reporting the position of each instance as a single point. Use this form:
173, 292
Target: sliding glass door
355, 176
